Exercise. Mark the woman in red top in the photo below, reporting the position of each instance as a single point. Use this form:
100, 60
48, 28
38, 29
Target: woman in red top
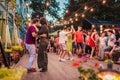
92, 41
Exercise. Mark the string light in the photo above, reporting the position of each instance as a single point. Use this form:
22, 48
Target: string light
83, 15
76, 19
93, 26
104, 1
47, 3
27, 4
91, 9
51, 26
67, 11
62, 18
85, 7
76, 15
70, 19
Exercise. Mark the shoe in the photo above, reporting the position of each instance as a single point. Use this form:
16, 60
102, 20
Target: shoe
31, 70
101, 59
71, 59
62, 60
43, 70
67, 58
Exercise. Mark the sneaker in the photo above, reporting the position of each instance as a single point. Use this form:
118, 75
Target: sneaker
31, 70
67, 58
62, 60
71, 59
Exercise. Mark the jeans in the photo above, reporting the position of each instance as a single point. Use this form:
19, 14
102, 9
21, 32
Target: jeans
32, 52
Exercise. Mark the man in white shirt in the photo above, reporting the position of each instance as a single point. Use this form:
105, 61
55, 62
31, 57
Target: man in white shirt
111, 41
112, 38
62, 43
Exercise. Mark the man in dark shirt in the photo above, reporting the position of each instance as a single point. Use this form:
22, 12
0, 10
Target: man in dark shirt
42, 59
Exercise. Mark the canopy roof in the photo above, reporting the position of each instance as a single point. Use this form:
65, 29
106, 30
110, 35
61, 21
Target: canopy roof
94, 21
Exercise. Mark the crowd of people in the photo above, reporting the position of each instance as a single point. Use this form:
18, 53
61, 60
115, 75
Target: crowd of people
68, 42
90, 43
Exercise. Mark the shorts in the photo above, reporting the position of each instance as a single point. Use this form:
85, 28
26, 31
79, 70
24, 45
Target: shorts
79, 45
62, 46
74, 45
108, 49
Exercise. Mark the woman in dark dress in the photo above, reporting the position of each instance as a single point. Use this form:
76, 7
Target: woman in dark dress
42, 59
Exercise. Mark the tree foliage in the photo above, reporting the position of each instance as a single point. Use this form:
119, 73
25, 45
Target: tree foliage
40, 6
108, 11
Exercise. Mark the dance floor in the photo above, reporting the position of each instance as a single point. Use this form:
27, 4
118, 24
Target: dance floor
59, 70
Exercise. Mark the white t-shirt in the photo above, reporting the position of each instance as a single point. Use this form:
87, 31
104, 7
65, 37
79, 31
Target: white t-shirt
63, 37
102, 40
118, 49
111, 43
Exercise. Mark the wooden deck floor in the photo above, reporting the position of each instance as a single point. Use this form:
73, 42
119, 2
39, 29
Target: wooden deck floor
57, 70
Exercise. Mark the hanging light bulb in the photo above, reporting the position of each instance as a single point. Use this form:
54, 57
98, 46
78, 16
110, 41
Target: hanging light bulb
76, 15
85, 7
76, 19
104, 1
62, 18
83, 15
47, 3
67, 11
27, 4
91, 9
70, 19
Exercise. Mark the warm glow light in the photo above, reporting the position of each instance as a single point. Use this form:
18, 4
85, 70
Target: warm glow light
83, 15
104, 1
76, 19
70, 19
62, 18
91, 9
93, 26
85, 7
51, 26
27, 4
76, 15
101, 26
67, 11
101, 31
47, 3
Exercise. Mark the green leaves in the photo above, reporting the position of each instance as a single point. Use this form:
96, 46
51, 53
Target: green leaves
40, 6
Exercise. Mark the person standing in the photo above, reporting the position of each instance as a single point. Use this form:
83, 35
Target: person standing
30, 43
69, 44
62, 44
102, 45
79, 38
93, 41
42, 59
